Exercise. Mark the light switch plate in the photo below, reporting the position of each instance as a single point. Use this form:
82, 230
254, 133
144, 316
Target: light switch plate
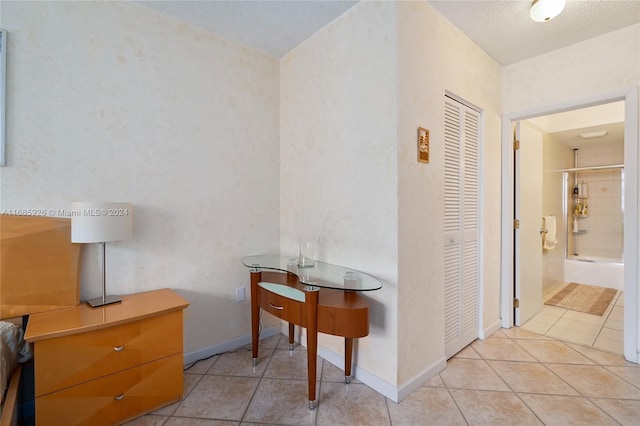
240, 294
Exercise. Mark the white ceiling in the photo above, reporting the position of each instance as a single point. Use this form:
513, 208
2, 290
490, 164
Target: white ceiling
502, 28
572, 138
567, 127
505, 31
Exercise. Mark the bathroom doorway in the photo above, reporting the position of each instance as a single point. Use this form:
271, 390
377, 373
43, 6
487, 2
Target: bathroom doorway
629, 193
576, 195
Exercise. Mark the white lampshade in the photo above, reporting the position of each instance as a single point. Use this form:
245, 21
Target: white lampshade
546, 10
93, 222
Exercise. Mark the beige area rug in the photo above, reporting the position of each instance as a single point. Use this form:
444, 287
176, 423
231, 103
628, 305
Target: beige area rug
583, 298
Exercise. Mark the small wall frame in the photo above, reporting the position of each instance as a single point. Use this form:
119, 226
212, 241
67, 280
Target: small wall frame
423, 145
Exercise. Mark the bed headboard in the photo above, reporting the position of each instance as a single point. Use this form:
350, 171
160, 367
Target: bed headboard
39, 265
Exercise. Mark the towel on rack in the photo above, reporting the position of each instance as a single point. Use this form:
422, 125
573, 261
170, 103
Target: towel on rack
549, 238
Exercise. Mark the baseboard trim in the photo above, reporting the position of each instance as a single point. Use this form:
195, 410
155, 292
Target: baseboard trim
396, 394
490, 330
366, 377
229, 345
421, 378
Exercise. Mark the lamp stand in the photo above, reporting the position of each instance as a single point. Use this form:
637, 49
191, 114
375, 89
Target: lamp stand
104, 300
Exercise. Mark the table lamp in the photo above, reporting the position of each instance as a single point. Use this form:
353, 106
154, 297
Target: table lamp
93, 222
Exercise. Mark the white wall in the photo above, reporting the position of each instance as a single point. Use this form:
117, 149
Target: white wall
435, 57
596, 66
339, 162
352, 97
114, 101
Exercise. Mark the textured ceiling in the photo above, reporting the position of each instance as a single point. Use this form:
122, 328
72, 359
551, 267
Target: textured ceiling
502, 28
506, 32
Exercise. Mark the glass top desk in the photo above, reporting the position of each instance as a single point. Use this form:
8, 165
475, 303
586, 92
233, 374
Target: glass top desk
323, 299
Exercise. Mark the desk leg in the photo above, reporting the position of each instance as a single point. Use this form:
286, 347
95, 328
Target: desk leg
256, 276
292, 329
311, 306
348, 357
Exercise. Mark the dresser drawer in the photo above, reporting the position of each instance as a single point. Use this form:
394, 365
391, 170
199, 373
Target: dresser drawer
114, 398
281, 306
69, 360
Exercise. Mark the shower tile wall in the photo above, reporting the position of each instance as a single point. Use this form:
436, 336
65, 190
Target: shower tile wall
604, 233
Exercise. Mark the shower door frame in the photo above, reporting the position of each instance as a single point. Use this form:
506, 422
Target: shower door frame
631, 221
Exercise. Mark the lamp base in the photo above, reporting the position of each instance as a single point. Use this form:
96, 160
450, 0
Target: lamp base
98, 301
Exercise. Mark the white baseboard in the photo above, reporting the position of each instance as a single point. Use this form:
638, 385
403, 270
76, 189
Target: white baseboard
229, 345
366, 377
490, 330
394, 393
421, 378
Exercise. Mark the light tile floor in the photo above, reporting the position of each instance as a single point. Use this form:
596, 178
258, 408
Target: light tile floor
602, 332
513, 377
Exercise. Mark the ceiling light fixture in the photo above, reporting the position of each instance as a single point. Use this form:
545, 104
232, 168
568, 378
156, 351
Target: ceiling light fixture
546, 10
593, 135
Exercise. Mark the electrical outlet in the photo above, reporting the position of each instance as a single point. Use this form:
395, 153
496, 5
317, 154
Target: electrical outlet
240, 294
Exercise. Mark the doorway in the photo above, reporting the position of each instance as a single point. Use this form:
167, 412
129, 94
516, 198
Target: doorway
568, 198
630, 193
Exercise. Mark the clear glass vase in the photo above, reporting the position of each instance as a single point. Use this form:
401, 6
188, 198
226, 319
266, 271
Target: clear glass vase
306, 245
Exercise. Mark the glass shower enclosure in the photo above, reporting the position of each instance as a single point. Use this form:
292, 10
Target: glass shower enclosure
593, 213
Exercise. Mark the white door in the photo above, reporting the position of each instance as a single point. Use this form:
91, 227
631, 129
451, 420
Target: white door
461, 222
528, 211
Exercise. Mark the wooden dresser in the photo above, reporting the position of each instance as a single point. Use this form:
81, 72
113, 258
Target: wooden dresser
106, 365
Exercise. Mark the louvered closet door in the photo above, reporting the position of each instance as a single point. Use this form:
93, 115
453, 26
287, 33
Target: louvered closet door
461, 212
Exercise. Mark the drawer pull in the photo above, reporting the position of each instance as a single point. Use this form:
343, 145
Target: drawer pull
276, 306
118, 348
119, 397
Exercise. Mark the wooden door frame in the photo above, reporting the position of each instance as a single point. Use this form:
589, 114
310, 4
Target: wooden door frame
631, 220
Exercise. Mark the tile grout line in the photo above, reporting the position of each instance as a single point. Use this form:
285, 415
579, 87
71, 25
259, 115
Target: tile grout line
609, 310
618, 376
454, 399
509, 386
554, 324
486, 361
544, 364
255, 391
172, 413
386, 402
601, 326
580, 394
601, 409
185, 396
